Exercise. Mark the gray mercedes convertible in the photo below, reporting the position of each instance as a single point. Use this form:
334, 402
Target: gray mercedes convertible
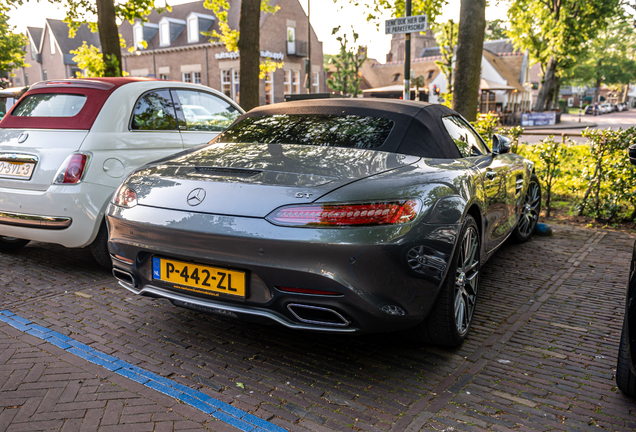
342, 216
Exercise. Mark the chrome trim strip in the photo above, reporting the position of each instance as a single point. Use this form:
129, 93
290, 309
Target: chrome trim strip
18, 157
223, 307
345, 322
34, 221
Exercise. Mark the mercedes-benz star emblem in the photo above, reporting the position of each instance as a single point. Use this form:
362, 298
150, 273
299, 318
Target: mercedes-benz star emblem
196, 197
23, 137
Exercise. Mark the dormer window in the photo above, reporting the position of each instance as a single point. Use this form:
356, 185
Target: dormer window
169, 29
198, 23
139, 36
164, 33
193, 29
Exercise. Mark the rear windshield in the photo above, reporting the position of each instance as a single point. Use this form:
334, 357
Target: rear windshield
311, 129
50, 105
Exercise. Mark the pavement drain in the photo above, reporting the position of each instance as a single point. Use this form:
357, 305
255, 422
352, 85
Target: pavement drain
216, 408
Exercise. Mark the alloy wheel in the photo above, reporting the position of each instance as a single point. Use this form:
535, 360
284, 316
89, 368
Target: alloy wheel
466, 280
530, 210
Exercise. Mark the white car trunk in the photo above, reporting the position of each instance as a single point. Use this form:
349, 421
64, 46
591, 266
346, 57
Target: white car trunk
50, 147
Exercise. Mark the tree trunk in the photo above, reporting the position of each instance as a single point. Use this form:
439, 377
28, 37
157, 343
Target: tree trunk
470, 45
597, 90
249, 47
109, 36
549, 83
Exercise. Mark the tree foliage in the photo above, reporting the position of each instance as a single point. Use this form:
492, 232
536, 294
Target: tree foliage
11, 45
556, 33
609, 58
495, 30
346, 79
102, 16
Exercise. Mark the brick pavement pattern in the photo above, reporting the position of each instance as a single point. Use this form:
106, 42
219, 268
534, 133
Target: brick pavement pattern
541, 354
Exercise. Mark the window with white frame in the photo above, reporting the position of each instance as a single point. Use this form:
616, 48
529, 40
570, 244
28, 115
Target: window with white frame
138, 36
164, 34
186, 77
164, 76
235, 85
230, 83
287, 82
226, 82
193, 30
315, 82
197, 77
296, 82
269, 88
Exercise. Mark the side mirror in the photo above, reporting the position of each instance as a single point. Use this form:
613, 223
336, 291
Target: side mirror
632, 154
500, 144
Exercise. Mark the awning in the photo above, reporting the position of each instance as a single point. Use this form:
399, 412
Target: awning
485, 84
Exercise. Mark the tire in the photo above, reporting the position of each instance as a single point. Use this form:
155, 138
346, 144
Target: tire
12, 244
625, 379
99, 247
529, 216
449, 321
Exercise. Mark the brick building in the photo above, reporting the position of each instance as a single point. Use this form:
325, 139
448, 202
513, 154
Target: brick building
176, 49
48, 52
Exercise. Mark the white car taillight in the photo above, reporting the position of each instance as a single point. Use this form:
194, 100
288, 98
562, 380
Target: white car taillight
125, 197
73, 169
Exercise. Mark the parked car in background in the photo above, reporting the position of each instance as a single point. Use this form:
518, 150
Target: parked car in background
66, 146
626, 363
8, 97
622, 107
340, 216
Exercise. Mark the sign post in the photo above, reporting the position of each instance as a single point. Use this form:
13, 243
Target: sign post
407, 25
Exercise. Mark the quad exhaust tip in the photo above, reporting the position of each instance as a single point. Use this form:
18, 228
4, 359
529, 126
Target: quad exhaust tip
126, 277
317, 315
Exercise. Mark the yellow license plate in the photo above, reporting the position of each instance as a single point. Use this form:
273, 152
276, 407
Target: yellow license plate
199, 278
22, 170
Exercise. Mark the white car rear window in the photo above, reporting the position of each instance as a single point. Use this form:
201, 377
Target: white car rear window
50, 105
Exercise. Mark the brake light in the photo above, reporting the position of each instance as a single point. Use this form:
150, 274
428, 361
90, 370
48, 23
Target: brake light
72, 170
341, 215
125, 197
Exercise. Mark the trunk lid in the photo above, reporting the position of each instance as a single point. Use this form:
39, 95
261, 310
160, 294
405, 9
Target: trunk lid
254, 179
49, 149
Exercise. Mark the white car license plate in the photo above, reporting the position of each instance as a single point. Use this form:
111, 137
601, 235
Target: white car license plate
21, 170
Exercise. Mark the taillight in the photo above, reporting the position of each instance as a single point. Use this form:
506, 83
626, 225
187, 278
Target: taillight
72, 170
125, 197
342, 215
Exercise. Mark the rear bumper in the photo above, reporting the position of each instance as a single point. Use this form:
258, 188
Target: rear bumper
34, 221
365, 267
68, 215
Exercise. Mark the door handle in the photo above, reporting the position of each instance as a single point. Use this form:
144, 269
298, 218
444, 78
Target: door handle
491, 174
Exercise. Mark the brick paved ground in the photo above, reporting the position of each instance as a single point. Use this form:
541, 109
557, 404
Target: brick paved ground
541, 354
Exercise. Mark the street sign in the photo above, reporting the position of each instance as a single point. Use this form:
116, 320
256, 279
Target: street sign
410, 24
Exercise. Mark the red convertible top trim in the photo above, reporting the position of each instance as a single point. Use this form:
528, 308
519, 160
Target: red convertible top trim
96, 90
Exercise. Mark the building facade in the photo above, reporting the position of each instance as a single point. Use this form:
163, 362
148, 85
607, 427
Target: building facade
175, 46
48, 52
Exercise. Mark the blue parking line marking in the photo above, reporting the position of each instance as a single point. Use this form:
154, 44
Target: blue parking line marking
199, 400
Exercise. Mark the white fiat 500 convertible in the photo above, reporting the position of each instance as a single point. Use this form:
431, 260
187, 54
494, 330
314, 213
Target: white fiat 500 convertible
66, 146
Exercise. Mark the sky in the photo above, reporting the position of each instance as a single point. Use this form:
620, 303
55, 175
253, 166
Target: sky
325, 15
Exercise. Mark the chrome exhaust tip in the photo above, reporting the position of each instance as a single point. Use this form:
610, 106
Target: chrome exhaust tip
317, 315
125, 277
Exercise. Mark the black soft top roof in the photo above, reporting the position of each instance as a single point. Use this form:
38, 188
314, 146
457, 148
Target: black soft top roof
418, 129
